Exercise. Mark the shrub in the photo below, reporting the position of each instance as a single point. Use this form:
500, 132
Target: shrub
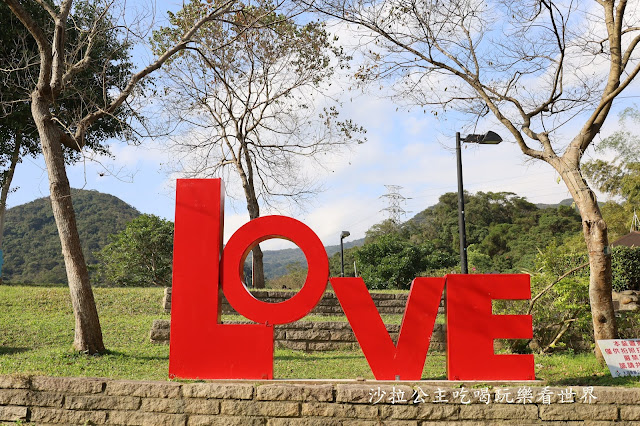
561, 314
393, 262
141, 255
293, 280
625, 265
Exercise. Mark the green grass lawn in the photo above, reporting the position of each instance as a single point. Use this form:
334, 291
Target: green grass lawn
36, 333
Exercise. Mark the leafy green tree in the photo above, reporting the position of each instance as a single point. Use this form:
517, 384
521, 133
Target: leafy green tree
335, 263
385, 227
479, 262
559, 304
621, 175
18, 68
619, 217
60, 62
141, 255
18, 135
625, 262
391, 261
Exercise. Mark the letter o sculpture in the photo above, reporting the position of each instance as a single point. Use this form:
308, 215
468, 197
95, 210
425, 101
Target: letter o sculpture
237, 250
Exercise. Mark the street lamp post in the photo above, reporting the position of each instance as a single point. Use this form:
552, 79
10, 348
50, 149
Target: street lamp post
343, 235
461, 227
490, 138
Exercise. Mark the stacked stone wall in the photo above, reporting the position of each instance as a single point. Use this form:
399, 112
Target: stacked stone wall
387, 303
311, 336
54, 400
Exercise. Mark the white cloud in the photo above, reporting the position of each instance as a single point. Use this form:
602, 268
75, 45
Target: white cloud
232, 222
410, 149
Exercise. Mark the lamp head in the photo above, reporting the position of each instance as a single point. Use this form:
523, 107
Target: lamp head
489, 138
344, 234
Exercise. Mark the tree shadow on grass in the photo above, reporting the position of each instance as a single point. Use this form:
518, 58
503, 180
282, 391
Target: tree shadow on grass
134, 356
308, 357
606, 380
7, 350
9, 284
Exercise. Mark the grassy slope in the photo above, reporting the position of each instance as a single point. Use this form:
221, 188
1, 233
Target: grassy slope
36, 332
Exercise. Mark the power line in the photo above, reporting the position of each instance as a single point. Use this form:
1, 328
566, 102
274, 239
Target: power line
452, 187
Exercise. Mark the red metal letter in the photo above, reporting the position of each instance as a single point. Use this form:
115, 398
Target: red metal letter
404, 361
472, 327
201, 348
243, 241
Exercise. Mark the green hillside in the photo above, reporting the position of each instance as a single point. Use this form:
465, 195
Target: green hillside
31, 246
503, 230
276, 261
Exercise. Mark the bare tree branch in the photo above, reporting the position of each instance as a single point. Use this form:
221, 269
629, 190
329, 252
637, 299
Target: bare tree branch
542, 292
536, 69
91, 118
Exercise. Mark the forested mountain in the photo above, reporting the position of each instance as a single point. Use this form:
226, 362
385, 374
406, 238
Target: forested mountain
504, 233
566, 202
32, 248
276, 261
32, 252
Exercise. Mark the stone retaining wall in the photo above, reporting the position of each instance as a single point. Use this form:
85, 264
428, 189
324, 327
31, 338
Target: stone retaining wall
312, 336
53, 400
387, 303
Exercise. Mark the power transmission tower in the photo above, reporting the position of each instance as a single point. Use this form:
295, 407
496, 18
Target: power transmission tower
635, 224
395, 200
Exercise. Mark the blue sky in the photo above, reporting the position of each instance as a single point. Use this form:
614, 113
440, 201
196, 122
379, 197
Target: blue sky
406, 148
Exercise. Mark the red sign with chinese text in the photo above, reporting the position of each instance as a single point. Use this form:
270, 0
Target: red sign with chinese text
203, 348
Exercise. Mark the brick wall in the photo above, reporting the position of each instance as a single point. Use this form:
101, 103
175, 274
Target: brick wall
311, 336
53, 400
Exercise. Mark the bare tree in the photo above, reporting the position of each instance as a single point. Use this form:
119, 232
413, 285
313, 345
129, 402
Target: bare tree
253, 107
60, 63
549, 71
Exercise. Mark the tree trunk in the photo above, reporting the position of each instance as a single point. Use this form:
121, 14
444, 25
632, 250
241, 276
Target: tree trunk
595, 235
4, 192
88, 334
257, 267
